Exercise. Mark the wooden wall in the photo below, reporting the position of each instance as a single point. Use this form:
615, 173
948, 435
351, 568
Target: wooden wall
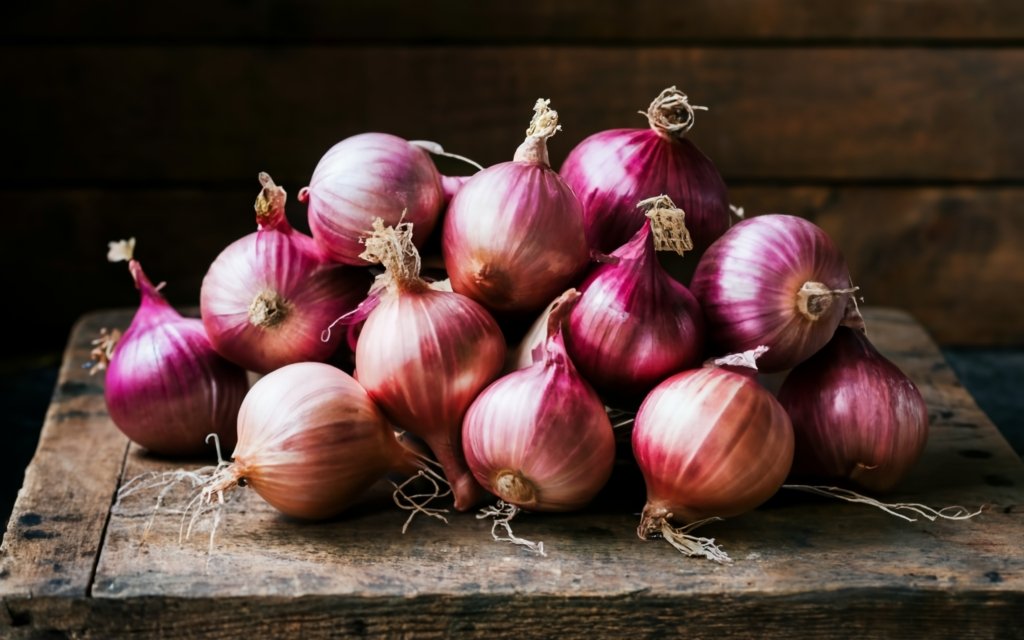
894, 124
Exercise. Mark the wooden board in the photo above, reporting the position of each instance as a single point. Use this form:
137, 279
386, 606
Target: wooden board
804, 567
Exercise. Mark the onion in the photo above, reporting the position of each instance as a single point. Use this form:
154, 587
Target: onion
539, 438
311, 441
773, 280
855, 415
424, 355
635, 325
368, 176
166, 388
612, 170
711, 443
267, 296
513, 235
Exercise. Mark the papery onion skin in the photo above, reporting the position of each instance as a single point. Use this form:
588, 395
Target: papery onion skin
424, 357
368, 176
311, 441
513, 235
749, 285
855, 415
634, 325
612, 170
268, 296
539, 438
711, 443
166, 388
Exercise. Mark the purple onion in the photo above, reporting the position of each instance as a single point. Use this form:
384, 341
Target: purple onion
774, 280
855, 415
612, 170
166, 388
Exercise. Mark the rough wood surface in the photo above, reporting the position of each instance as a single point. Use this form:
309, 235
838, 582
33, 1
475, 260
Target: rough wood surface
572, 21
804, 567
204, 115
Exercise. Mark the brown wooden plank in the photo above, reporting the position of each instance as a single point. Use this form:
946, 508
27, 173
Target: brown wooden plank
213, 115
634, 22
53, 538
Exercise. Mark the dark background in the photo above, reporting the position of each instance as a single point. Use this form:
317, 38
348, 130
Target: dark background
892, 124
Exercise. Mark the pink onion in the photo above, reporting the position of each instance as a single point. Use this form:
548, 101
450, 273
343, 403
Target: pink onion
539, 438
773, 280
166, 388
635, 325
710, 443
612, 170
268, 296
513, 235
424, 355
311, 442
368, 176
856, 416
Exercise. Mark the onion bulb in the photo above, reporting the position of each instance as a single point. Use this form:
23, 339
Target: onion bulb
539, 438
424, 354
513, 234
774, 280
166, 388
267, 296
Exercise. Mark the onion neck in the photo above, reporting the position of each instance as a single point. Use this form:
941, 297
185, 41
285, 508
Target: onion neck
270, 205
671, 115
814, 299
152, 300
268, 309
544, 124
514, 488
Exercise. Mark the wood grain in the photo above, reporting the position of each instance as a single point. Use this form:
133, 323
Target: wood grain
804, 567
636, 22
208, 116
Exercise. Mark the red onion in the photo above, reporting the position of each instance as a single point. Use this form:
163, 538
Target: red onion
635, 325
267, 296
710, 443
424, 355
311, 442
368, 176
612, 170
856, 416
166, 388
539, 438
773, 280
513, 235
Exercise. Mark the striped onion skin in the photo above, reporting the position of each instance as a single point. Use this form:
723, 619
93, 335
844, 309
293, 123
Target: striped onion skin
311, 441
775, 280
711, 443
423, 356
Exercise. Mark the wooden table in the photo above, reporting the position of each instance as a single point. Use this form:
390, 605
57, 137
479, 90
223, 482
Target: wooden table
73, 566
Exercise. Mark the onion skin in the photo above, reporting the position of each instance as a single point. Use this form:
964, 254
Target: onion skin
855, 415
311, 441
710, 443
539, 438
749, 285
368, 176
423, 356
166, 388
634, 324
268, 296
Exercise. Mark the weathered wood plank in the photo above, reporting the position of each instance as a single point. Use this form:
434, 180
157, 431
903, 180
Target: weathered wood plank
636, 22
213, 115
940, 253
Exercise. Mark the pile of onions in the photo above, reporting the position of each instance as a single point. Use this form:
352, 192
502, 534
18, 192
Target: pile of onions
711, 443
311, 442
513, 234
774, 280
370, 176
267, 296
424, 354
166, 388
612, 170
856, 416
635, 325
539, 438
